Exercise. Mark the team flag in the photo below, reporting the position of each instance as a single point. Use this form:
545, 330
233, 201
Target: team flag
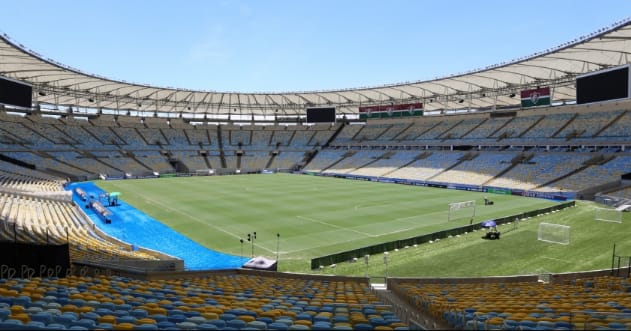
389, 111
535, 97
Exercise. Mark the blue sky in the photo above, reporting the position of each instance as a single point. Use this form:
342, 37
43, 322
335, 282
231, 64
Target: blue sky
280, 46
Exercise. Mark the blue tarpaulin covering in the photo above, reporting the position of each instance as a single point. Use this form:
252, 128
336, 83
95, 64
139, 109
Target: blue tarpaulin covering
488, 224
135, 227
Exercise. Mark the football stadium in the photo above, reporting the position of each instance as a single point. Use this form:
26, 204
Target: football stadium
491, 199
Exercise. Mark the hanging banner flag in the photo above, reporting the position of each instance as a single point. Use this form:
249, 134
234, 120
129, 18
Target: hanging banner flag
535, 97
392, 110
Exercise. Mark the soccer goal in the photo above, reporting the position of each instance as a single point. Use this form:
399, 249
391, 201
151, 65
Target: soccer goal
554, 233
608, 215
459, 210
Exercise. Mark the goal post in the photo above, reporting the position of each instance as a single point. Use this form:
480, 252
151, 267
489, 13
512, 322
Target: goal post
554, 233
607, 215
462, 209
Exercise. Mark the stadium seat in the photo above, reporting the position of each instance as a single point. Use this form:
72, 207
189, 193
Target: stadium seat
299, 327
11, 324
4, 313
104, 326
258, 325
277, 326
236, 323
362, 327
227, 317
124, 326
321, 326
86, 323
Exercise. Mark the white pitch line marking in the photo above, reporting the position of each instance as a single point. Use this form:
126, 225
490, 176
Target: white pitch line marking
200, 221
336, 226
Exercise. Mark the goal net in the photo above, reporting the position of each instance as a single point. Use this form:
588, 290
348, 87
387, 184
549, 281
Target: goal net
554, 233
608, 215
460, 210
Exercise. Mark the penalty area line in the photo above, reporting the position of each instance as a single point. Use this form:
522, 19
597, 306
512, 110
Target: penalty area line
200, 221
336, 226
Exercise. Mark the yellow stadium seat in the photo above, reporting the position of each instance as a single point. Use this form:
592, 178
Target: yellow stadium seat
107, 319
21, 316
124, 326
210, 315
85, 309
246, 318
145, 320
16, 309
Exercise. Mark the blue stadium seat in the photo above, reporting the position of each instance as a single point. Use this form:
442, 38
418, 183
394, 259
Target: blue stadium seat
266, 320
227, 317
207, 326
378, 321
304, 316
90, 315
22, 300
11, 324
4, 313
139, 313
258, 325
34, 325
321, 326
362, 327
277, 326
165, 325
87, 323
220, 324
116, 313
43, 316
299, 327
236, 323
126, 319
65, 318
104, 326
178, 318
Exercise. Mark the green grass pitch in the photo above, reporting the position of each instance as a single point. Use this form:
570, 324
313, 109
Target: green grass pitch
317, 216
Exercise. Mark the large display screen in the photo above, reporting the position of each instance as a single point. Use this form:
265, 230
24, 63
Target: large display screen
321, 115
609, 84
15, 93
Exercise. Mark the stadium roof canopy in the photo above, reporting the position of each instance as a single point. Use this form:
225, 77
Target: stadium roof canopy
494, 86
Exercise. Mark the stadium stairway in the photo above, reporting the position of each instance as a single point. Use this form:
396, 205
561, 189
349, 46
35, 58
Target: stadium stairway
533, 125
371, 161
565, 125
522, 157
421, 156
345, 156
596, 160
334, 135
133, 157
605, 127
406, 312
466, 157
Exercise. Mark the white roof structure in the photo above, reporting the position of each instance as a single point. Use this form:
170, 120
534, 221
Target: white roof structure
494, 86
